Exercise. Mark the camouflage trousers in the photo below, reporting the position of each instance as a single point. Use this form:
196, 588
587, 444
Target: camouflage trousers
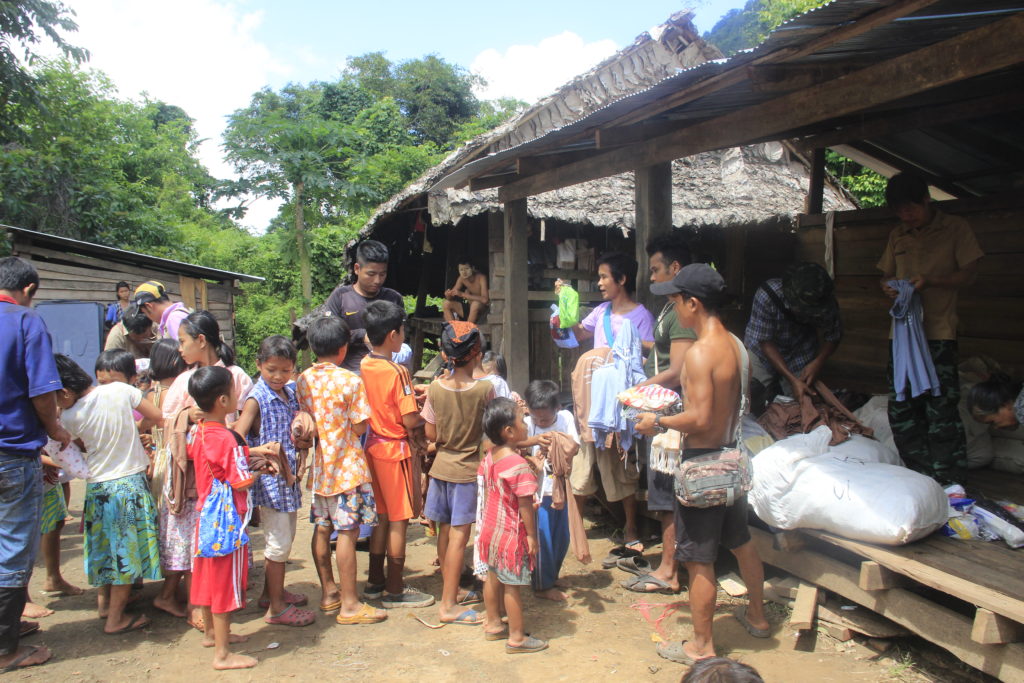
927, 429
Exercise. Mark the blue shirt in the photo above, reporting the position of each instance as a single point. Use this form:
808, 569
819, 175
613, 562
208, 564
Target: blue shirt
27, 370
276, 415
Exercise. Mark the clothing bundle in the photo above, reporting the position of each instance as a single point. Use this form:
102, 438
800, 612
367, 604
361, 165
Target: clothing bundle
561, 452
810, 412
624, 370
911, 358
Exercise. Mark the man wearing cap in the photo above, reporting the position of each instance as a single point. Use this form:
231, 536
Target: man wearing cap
713, 375
794, 327
153, 301
132, 333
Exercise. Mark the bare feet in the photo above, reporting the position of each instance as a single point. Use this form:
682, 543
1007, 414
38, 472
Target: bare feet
34, 611
26, 655
232, 638
172, 607
552, 594
694, 653
234, 661
61, 587
196, 620
562, 583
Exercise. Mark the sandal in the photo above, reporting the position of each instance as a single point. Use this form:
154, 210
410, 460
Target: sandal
472, 597
331, 607
675, 652
741, 616
16, 663
292, 616
138, 622
468, 618
617, 553
365, 615
296, 599
28, 628
530, 644
497, 635
639, 583
634, 565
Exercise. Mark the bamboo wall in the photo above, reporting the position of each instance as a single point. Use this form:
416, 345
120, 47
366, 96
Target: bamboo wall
65, 275
991, 311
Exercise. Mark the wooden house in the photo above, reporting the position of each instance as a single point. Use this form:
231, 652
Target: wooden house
81, 271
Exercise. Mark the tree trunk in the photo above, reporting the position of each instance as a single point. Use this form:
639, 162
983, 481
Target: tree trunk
305, 275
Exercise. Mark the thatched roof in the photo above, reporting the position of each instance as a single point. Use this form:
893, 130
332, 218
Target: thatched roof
728, 187
653, 56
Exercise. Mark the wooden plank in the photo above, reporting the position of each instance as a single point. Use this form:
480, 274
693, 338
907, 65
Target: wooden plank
939, 625
816, 185
733, 585
779, 78
516, 322
860, 619
805, 608
969, 54
947, 567
840, 633
652, 193
785, 587
990, 628
488, 181
875, 577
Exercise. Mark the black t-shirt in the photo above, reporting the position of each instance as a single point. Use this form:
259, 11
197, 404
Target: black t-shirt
348, 304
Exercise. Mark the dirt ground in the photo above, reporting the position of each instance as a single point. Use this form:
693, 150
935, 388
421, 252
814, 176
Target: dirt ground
604, 631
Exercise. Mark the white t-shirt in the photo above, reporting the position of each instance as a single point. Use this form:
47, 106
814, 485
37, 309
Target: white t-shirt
565, 423
103, 420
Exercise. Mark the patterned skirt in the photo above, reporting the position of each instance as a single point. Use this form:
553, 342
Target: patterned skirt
121, 539
54, 509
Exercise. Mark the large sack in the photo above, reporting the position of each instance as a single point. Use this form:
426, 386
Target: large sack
799, 483
875, 414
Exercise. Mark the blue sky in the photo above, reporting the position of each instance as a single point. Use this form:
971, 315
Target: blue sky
210, 56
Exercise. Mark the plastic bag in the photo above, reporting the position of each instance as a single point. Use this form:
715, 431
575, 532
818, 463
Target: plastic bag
568, 306
564, 338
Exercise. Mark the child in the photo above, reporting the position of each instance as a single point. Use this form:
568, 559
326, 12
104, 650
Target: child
342, 494
508, 541
199, 346
453, 412
121, 540
115, 365
488, 367
395, 445
266, 421
218, 583
546, 417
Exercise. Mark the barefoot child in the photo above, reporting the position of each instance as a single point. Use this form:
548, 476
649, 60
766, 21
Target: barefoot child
218, 583
342, 494
546, 417
395, 444
266, 422
120, 538
508, 540
453, 412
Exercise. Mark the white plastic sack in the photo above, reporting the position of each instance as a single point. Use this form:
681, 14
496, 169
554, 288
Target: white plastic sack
859, 448
799, 483
875, 414
979, 441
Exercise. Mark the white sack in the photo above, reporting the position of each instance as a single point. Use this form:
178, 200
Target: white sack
875, 414
800, 484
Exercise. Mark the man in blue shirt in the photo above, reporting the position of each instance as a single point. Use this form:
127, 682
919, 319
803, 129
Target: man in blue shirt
28, 414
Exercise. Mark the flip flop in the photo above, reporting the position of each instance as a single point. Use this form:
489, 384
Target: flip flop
292, 616
637, 546
638, 584
139, 621
296, 599
498, 635
617, 553
62, 593
331, 607
472, 597
468, 618
28, 628
365, 615
16, 663
530, 644
741, 616
674, 652
634, 565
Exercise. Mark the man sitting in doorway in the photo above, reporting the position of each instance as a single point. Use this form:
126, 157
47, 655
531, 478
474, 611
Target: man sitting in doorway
152, 299
794, 327
468, 298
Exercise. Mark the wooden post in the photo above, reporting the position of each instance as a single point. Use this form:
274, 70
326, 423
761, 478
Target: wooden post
516, 321
875, 577
652, 190
816, 187
990, 628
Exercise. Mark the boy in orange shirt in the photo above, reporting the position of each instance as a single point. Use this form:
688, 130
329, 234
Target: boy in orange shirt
342, 495
394, 443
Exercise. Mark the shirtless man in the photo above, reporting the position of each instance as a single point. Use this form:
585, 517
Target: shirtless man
711, 382
467, 299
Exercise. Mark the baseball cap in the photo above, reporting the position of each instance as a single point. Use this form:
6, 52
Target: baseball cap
151, 290
697, 280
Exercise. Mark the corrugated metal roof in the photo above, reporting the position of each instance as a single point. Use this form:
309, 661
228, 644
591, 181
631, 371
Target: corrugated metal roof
124, 256
934, 23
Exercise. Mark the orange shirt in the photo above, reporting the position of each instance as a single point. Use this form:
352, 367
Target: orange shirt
390, 395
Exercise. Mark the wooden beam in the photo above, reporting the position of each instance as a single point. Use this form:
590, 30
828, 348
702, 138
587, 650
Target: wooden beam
816, 185
542, 162
652, 192
780, 78
885, 123
847, 31
488, 181
983, 50
875, 577
991, 629
607, 138
516, 322
805, 608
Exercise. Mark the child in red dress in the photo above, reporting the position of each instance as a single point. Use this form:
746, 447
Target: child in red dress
218, 583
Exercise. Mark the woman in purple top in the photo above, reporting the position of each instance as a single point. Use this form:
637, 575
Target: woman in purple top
616, 278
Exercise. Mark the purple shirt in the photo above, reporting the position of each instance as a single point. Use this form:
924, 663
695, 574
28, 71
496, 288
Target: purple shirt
27, 370
643, 323
170, 321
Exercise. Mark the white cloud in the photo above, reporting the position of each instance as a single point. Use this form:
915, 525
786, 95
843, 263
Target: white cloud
200, 55
529, 72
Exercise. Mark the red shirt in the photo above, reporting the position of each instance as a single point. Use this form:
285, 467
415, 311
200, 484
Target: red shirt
220, 453
502, 532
